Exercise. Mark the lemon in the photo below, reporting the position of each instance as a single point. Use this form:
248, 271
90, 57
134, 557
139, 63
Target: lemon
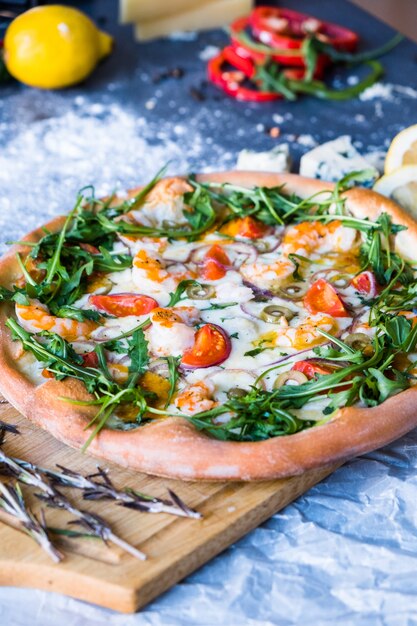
54, 46
403, 150
401, 186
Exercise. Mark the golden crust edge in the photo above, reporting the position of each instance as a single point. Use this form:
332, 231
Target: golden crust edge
174, 448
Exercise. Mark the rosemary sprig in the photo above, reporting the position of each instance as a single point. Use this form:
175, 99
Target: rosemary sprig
55, 499
99, 486
10, 428
13, 503
96, 486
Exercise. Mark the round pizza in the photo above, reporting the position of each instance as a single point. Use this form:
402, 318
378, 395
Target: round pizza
231, 326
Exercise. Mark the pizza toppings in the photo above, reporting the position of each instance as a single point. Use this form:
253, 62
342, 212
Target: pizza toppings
323, 298
123, 304
215, 263
247, 227
311, 368
211, 347
234, 286
365, 283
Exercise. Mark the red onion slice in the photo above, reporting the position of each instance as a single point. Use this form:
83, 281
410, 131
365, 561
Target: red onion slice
257, 291
295, 356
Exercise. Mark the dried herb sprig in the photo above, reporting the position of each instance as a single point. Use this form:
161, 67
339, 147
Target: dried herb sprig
104, 489
99, 486
13, 503
55, 499
10, 428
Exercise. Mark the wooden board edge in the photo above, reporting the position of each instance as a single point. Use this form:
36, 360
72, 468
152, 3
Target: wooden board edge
238, 529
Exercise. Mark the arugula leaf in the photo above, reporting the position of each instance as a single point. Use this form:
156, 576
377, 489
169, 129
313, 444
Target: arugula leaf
73, 313
138, 352
178, 294
398, 328
257, 350
388, 387
107, 262
219, 306
298, 259
173, 375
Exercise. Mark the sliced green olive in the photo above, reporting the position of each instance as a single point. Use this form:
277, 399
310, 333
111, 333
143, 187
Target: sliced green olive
200, 292
274, 312
169, 224
236, 392
292, 376
358, 341
293, 291
340, 280
262, 246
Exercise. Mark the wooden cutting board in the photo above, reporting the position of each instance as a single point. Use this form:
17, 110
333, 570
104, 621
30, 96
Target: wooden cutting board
175, 546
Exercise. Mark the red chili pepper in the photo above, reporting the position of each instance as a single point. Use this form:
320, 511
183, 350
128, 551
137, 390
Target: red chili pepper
231, 81
260, 52
283, 28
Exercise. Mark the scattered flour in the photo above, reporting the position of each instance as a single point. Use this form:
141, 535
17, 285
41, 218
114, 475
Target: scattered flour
307, 141
208, 53
46, 162
387, 92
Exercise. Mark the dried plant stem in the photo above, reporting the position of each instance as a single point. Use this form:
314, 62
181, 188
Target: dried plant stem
55, 499
99, 486
13, 503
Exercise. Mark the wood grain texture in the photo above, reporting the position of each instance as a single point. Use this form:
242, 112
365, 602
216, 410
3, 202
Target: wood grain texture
175, 546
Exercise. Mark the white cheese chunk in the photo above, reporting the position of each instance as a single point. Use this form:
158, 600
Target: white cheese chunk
334, 159
142, 10
200, 17
276, 160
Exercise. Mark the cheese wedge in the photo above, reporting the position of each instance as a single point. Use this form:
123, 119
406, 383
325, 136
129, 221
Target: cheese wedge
131, 11
214, 14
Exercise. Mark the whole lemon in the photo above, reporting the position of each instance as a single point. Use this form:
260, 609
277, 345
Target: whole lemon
54, 46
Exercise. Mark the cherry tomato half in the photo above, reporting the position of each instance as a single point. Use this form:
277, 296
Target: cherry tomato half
323, 298
124, 304
248, 227
215, 263
90, 359
211, 346
365, 282
310, 368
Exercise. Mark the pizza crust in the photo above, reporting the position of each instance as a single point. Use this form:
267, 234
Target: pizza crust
171, 446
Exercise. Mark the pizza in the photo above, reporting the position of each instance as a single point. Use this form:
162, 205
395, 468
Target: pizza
230, 326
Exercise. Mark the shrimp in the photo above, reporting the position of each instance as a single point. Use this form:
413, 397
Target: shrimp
165, 202
156, 245
150, 275
267, 275
308, 237
196, 398
170, 333
35, 318
304, 335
